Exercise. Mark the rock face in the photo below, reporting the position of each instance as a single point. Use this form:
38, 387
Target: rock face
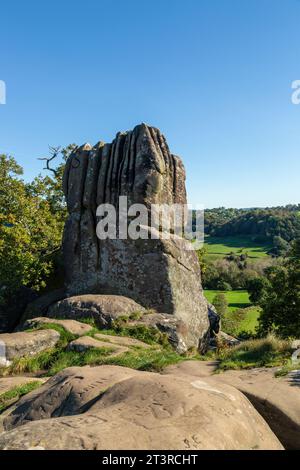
110, 407
14, 345
163, 274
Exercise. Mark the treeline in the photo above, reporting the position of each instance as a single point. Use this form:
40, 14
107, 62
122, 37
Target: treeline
234, 272
276, 226
277, 294
32, 217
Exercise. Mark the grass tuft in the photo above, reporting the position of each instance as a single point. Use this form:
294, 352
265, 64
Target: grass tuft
13, 395
154, 360
122, 327
265, 352
54, 360
147, 334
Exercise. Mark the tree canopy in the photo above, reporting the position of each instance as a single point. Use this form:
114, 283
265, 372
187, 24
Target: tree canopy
32, 217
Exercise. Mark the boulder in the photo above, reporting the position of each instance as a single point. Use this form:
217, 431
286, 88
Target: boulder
175, 329
71, 326
117, 408
86, 342
7, 384
122, 341
104, 309
228, 339
15, 345
158, 273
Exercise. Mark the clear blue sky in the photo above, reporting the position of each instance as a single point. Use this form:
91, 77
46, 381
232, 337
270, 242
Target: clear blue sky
214, 75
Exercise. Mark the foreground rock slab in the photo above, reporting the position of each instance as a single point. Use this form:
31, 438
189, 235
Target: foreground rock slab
9, 383
110, 407
276, 399
15, 345
72, 326
79, 388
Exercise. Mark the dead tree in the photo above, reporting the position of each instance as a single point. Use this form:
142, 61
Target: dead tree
54, 152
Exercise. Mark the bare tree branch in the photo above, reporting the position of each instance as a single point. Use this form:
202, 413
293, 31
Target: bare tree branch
54, 152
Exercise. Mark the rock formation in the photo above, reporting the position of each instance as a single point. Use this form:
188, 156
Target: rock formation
110, 407
157, 273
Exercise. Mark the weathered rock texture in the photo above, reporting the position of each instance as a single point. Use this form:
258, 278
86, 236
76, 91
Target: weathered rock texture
14, 345
71, 326
112, 407
157, 273
276, 399
86, 342
104, 309
122, 341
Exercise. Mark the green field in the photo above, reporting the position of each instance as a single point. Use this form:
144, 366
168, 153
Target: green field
238, 299
219, 247
250, 321
235, 298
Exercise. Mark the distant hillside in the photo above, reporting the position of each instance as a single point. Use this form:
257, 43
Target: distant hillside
276, 226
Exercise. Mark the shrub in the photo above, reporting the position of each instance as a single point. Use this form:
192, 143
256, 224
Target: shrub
266, 352
220, 303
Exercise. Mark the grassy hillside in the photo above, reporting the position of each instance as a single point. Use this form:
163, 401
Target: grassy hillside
238, 300
219, 247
